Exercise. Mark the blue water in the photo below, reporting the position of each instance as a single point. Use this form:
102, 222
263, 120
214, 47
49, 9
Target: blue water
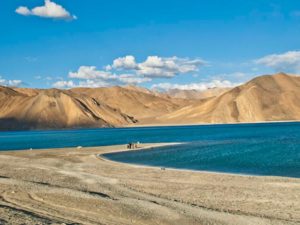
259, 149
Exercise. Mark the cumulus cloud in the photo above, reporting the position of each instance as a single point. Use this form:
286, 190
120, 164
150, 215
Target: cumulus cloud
48, 10
91, 72
90, 76
93, 83
10, 83
14, 83
155, 66
87, 83
126, 70
132, 79
202, 86
128, 63
288, 61
64, 84
22, 10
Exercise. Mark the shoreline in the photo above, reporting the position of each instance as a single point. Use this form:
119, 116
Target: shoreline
151, 125
73, 185
207, 124
157, 145
145, 146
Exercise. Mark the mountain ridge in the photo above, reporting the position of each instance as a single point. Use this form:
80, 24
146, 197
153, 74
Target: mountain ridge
264, 98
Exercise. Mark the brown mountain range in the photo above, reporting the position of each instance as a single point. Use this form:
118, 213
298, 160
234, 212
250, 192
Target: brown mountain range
138, 102
266, 98
48, 109
196, 94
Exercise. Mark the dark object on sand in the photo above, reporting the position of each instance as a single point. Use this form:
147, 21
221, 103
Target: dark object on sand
132, 145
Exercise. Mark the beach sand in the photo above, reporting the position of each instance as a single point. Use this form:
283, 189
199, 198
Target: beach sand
75, 186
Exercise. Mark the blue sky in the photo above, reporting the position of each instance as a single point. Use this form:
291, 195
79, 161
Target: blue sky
183, 44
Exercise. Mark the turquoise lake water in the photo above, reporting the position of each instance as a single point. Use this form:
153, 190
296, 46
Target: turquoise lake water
258, 149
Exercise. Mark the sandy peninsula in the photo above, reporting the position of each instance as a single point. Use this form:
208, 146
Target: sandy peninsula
76, 186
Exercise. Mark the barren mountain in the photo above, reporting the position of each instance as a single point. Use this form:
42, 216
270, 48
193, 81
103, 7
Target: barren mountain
266, 98
134, 101
53, 108
196, 94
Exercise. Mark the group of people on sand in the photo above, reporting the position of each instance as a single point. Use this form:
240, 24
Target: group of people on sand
132, 145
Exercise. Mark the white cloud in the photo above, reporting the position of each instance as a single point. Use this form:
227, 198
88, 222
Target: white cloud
22, 10
288, 61
49, 10
91, 72
127, 63
132, 79
64, 84
90, 76
202, 86
125, 70
14, 83
155, 66
93, 83
87, 83
10, 83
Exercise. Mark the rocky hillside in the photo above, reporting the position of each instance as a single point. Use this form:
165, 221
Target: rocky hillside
53, 108
266, 98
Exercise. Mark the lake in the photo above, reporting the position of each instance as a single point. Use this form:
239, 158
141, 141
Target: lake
258, 149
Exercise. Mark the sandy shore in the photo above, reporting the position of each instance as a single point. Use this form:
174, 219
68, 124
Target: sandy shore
146, 124
75, 186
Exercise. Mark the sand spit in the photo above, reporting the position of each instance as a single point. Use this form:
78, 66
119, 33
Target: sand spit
74, 186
